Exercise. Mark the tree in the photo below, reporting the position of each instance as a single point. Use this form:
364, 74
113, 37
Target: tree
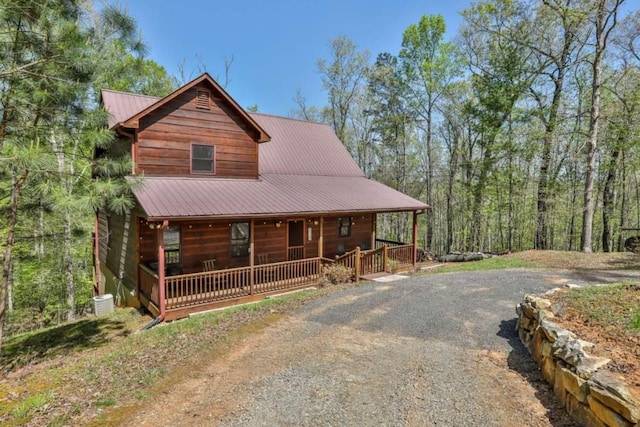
342, 78
429, 65
605, 20
557, 28
501, 73
51, 53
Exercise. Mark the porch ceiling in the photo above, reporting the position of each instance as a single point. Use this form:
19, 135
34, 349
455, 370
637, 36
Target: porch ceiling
271, 195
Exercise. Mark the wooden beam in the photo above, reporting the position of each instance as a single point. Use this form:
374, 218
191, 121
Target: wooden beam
415, 238
161, 268
356, 263
321, 239
373, 230
252, 255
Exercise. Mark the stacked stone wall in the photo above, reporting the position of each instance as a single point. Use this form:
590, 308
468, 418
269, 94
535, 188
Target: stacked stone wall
591, 394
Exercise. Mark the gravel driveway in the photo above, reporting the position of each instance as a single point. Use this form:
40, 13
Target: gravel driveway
437, 350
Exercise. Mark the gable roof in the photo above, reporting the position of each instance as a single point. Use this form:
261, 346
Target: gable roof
121, 105
304, 169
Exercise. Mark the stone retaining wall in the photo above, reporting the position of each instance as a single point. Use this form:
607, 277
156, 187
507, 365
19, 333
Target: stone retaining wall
591, 394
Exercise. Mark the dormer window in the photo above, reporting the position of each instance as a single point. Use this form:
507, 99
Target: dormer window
202, 99
203, 158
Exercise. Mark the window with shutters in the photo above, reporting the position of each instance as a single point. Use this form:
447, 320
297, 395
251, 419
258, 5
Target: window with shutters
203, 158
202, 99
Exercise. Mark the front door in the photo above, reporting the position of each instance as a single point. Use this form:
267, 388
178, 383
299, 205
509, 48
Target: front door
296, 240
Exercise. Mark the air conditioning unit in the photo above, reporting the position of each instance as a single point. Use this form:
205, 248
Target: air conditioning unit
103, 304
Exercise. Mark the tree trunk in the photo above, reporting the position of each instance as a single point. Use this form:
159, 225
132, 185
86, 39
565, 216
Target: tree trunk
16, 190
68, 266
602, 29
453, 166
623, 203
608, 200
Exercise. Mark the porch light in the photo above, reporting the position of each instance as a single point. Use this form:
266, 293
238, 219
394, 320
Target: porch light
315, 222
278, 224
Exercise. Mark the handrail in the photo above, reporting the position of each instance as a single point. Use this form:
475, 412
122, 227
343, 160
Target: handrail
391, 242
345, 255
148, 270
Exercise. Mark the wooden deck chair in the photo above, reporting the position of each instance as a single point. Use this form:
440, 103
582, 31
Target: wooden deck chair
263, 259
208, 265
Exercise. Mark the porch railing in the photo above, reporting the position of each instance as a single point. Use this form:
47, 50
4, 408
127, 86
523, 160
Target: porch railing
373, 261
198, 288
403, 254
148, 281
295, 253
283, 275
388, 243
348, 259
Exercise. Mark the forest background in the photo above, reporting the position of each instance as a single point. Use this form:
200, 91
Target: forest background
521, 132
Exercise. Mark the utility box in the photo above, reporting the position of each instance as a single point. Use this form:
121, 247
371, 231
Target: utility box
103, 304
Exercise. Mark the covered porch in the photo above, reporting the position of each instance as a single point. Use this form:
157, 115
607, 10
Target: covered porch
213, 264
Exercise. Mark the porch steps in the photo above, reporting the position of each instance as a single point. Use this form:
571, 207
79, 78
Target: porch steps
384, 277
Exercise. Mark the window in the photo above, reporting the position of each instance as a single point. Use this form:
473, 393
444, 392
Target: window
239, 239
202, 99
202, 158
344, 227
171, 237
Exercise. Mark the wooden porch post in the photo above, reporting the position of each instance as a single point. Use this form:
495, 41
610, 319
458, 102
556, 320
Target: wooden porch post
373, 230
321, 239
415, 238
384, 256
356, 263
251, 257
161, 266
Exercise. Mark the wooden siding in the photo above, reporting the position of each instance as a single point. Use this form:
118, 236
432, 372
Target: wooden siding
116, 251
165, 137
202, 240
360, 235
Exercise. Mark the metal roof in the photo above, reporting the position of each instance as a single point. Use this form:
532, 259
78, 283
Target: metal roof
303, 169
303, 148
271, 195
122, 106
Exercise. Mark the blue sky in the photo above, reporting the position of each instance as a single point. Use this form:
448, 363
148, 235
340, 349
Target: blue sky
275, 43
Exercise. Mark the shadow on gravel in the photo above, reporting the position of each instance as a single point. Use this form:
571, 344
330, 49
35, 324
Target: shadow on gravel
519, 360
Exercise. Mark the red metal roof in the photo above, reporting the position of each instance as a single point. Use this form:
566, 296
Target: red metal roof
271, 195
304, 169
121, 106
303, 148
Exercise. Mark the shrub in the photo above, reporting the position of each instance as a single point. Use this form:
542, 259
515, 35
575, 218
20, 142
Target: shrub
393, 265
336, 274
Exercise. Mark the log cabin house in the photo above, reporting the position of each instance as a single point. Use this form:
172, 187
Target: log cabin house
233, 206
